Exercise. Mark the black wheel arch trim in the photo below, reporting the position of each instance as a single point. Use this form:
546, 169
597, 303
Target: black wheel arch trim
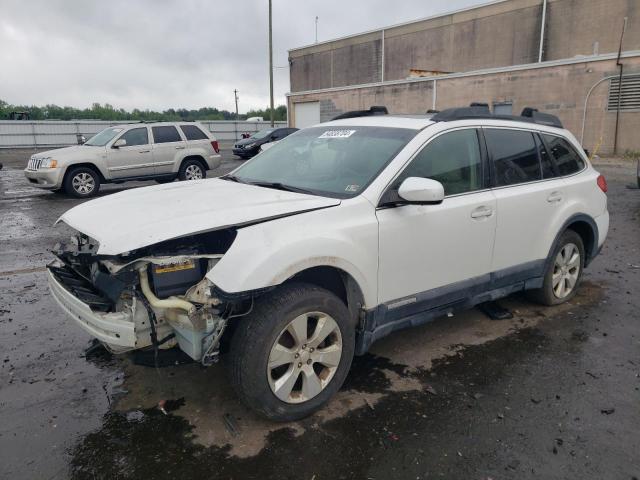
92, 166
590, 253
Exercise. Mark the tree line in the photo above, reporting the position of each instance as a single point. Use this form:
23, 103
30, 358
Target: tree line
99, 111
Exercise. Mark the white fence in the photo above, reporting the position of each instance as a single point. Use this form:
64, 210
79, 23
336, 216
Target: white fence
56, 133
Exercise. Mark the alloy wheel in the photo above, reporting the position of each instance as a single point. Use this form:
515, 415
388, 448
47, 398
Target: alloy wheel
83, 183
304, 357
566, 270
193, 172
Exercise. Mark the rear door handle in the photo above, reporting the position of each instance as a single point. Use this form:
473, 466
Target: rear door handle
554, 197
481, 212
179, 148
144, 151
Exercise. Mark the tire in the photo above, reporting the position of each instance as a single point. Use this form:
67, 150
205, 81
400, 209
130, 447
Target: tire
263, 336
569, 244
192, 170
82, 182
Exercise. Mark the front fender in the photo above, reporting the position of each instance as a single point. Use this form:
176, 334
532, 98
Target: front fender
268, 254
100, 166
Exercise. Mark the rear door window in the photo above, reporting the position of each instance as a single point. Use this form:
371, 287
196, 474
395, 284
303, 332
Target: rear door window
514, 155
567, 159
191, 132
165, 134
136, 136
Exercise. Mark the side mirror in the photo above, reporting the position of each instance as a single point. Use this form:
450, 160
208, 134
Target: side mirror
81, 139
421, 191
121, 142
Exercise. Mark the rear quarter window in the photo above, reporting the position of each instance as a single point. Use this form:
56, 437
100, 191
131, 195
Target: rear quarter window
567, 159
165, 134
191, 132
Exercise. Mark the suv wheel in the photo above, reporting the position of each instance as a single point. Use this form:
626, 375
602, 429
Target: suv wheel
564, 271
82, 182
292, 353
192, 170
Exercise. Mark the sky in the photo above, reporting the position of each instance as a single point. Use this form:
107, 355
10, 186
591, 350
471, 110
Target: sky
159, 54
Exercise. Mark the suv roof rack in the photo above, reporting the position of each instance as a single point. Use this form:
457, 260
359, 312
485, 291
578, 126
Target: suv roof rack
378, 110
481, 110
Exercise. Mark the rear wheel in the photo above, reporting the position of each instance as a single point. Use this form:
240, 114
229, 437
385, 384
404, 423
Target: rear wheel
192, 170
292, 353
564, 271
82, 182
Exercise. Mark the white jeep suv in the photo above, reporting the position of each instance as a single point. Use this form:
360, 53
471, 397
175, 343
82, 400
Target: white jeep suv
157, 151
335, 237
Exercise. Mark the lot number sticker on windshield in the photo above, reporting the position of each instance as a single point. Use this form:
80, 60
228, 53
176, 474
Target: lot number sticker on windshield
337, 134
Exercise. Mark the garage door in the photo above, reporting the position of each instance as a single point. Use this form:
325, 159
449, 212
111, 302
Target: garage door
306, 114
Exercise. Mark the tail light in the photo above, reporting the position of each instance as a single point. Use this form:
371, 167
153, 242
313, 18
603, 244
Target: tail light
215, 146
602, 183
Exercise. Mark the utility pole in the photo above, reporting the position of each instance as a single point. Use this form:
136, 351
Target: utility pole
316, 29
271, 65
235, 92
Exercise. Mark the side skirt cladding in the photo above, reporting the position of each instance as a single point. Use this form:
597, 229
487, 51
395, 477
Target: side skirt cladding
425, 307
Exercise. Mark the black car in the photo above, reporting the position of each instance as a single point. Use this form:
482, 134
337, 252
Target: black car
248, 147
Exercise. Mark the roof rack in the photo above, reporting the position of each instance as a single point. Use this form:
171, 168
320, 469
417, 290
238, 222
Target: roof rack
481, 110
379, 110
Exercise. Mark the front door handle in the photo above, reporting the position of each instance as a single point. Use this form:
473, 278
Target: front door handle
179, 148
481, 212
554, 197
144, 151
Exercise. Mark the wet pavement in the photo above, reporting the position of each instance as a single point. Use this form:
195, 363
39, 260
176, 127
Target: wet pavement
552, 393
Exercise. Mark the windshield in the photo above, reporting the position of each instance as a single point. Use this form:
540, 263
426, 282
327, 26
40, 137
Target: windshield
332, 161
262, 134
104, 137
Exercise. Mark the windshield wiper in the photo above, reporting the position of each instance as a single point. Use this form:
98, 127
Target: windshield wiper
281, 186
231, 178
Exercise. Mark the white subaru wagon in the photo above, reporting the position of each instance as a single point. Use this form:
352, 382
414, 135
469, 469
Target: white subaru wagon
335, 237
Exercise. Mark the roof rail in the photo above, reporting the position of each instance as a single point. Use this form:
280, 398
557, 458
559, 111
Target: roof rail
481, 110
541, 117
378, 110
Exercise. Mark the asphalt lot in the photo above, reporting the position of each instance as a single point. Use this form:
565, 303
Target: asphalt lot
553, 393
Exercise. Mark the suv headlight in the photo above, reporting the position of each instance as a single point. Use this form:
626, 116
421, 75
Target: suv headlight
251, 145
49, 163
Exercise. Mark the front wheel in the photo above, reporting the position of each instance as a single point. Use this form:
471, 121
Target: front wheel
564, 271
292, 353
82, 182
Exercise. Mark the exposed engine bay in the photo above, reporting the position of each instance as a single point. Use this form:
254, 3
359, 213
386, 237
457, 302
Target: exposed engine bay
156, 297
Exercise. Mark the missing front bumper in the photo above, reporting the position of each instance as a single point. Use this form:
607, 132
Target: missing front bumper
116, 329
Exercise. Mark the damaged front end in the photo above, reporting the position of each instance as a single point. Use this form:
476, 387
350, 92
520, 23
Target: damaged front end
154, 297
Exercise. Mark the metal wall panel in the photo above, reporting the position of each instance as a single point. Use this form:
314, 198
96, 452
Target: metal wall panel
51, 133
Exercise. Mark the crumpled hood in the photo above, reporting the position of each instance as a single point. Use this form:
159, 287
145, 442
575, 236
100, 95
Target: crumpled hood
144, 216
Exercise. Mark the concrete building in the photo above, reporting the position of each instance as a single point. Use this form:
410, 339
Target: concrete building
553, 55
